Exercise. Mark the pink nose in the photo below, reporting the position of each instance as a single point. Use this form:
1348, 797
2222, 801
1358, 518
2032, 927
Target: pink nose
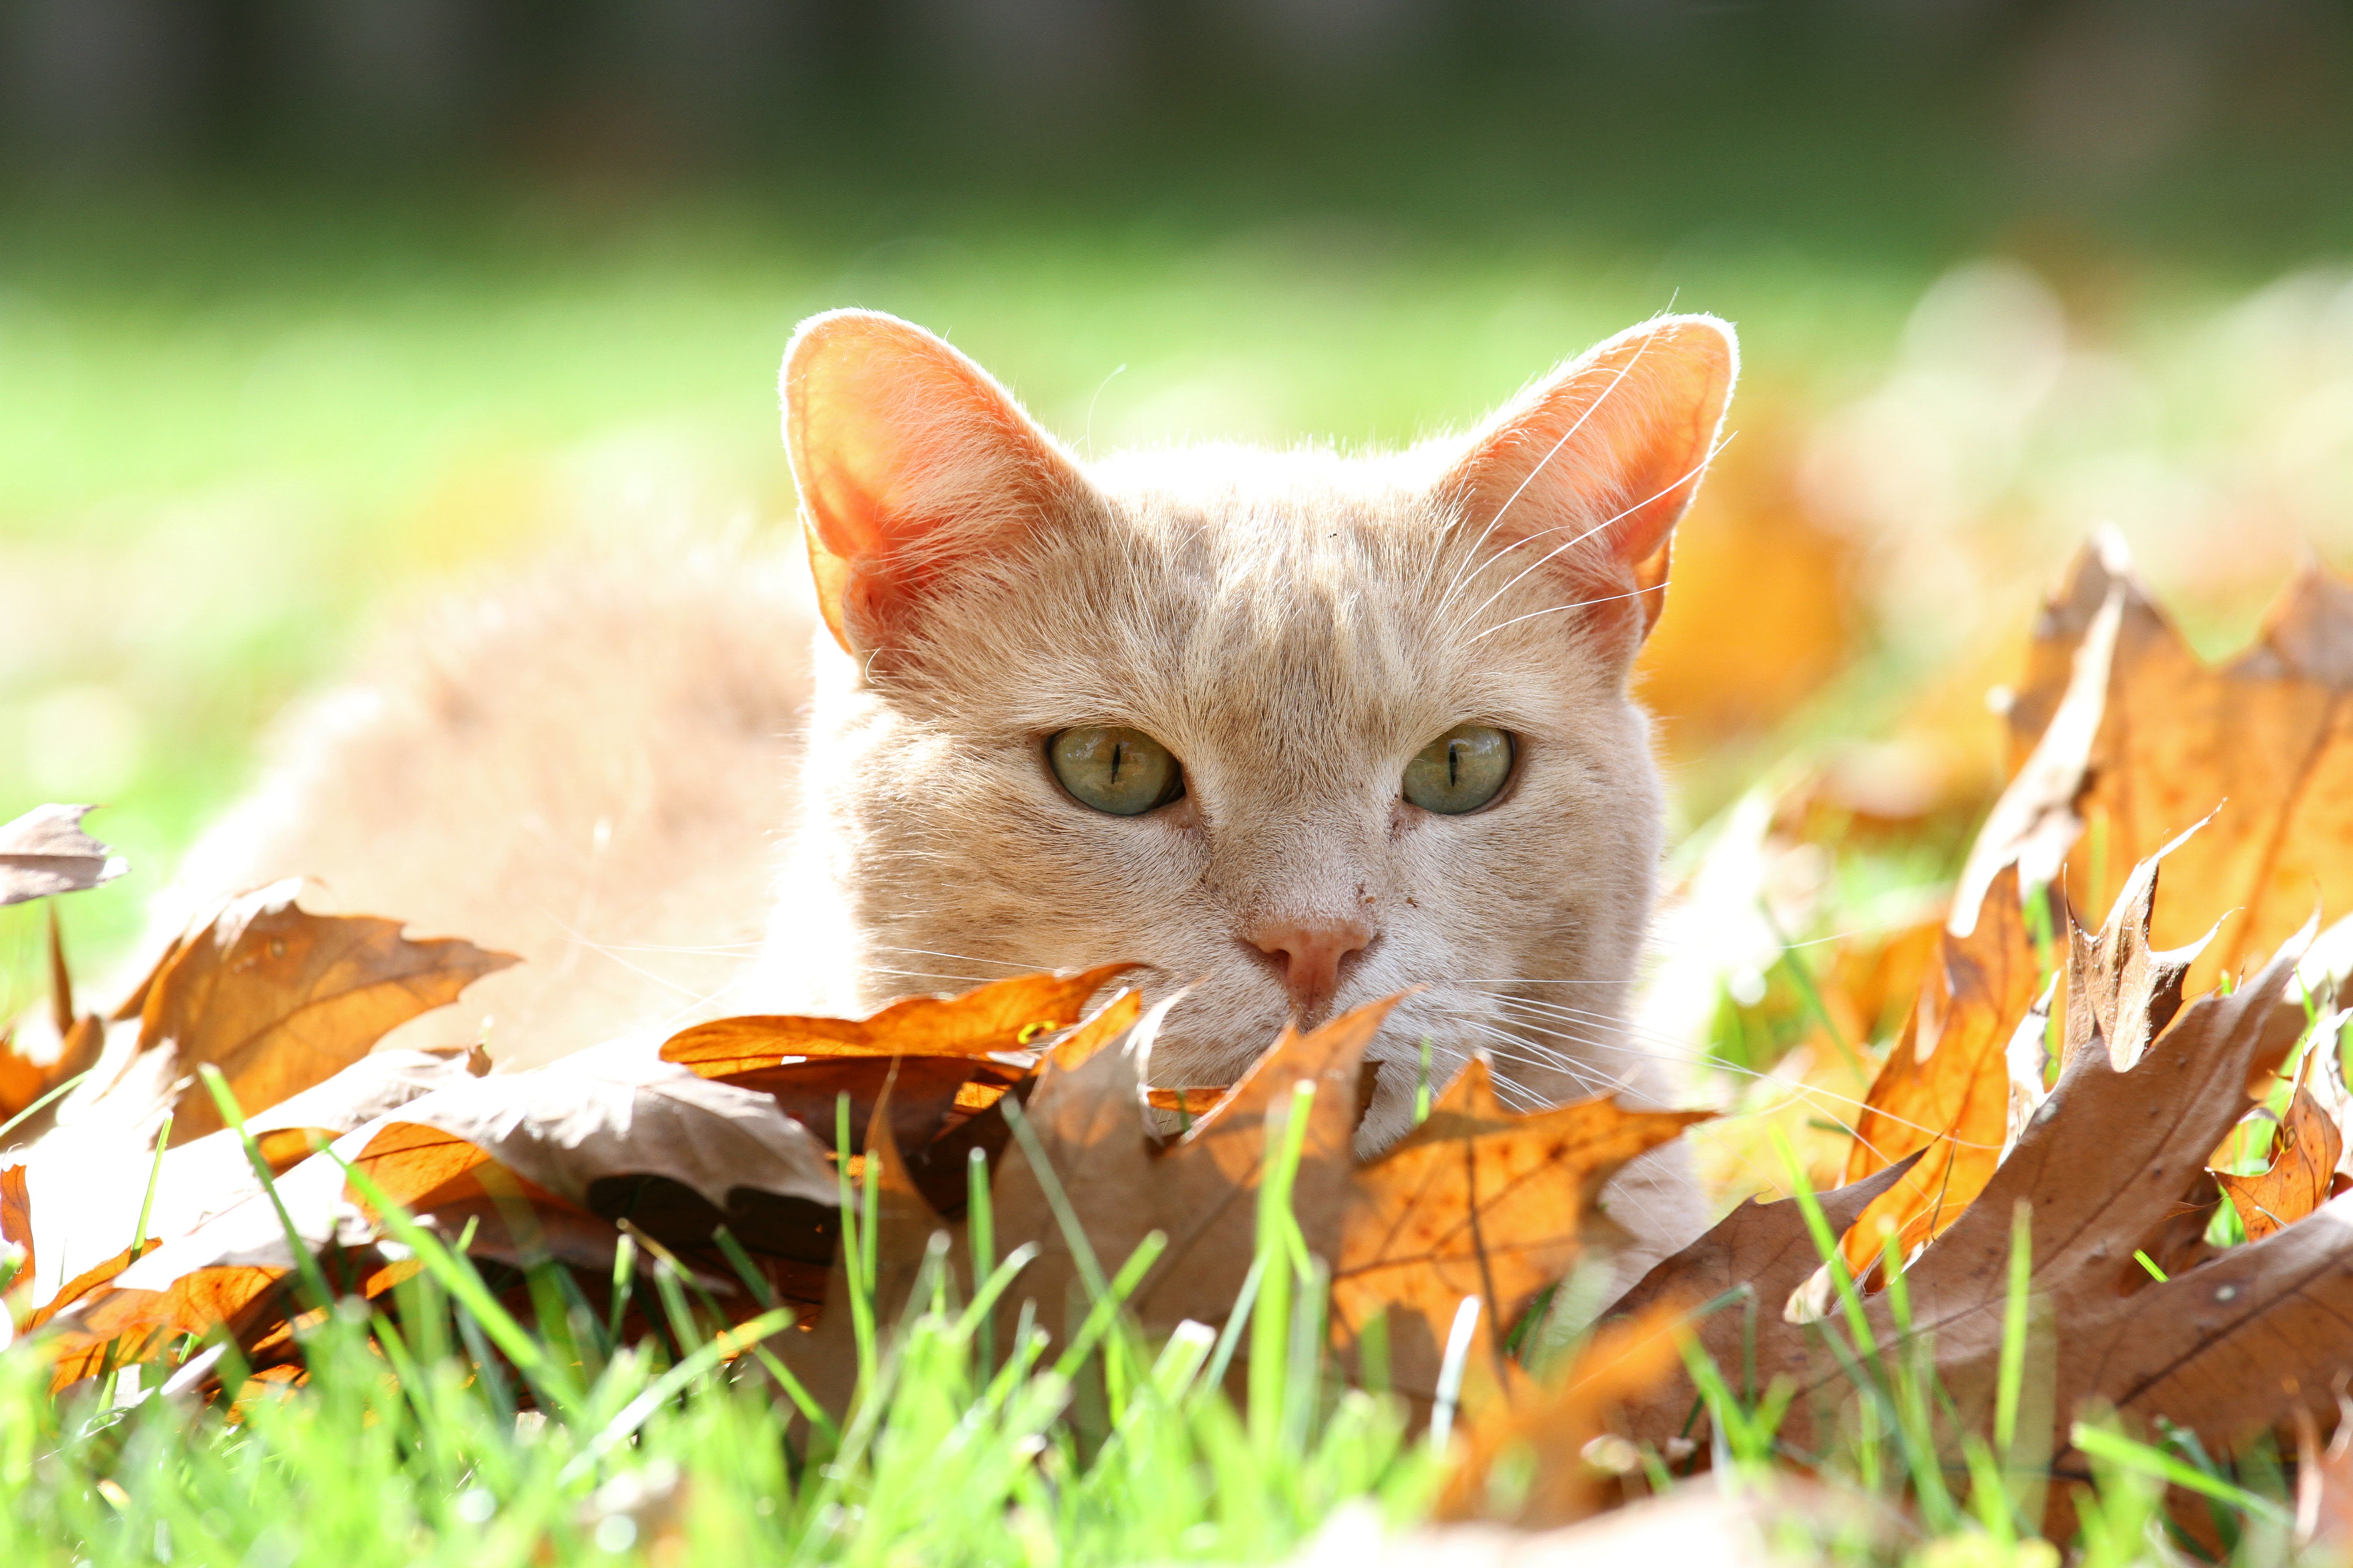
1310, 954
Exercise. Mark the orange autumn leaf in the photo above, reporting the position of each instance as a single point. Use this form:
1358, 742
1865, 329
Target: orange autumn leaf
2305, 1149
280, 999
1477, 1201
1013, 1015
1552, 1427
1943, 1092
2125, 738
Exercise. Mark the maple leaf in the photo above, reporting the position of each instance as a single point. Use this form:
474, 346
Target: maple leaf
45, 852
2127, 738
1945, 1090
280, 999
1477, 1201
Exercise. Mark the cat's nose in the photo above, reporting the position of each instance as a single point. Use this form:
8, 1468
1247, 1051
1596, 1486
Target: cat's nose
1311, 955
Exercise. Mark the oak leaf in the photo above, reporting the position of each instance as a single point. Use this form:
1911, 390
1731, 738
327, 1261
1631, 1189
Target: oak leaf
45, 852
519, 1152
2225, 1350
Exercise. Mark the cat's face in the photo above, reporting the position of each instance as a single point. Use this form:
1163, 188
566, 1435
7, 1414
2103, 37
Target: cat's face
1296, 731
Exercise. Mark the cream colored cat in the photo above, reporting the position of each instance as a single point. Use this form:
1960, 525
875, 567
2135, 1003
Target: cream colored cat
1297, 730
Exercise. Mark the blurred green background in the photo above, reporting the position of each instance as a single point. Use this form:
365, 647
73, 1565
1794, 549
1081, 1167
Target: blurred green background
311, 307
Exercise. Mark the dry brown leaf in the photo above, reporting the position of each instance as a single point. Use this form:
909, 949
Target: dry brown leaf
1481, 1201
2135, 738
2121, 989
1761, 1252
1945, 1087
520, 1152
45, 852
948, 1061
1477, 1201
280, 999
1199, 1191
1007, 1016
2225, 1350
86, 1195
825, 1357
26, 1076
1552, 1430
2305, 1150
616, 1111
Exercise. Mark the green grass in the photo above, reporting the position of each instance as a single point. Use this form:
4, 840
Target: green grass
443, 1427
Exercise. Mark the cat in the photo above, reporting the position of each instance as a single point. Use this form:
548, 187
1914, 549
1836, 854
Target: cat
1297, 730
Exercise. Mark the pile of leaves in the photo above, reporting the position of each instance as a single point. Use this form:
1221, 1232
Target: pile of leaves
2095, 1172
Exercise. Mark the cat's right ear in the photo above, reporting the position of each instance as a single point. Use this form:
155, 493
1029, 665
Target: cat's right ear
909, 458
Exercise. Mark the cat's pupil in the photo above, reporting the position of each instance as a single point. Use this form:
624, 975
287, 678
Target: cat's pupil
1461, 770
1119, 770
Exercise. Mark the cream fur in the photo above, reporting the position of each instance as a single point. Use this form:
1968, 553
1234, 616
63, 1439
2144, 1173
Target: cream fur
1293, 626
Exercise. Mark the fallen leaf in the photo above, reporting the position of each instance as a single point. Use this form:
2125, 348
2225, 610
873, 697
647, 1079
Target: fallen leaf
86, 1194
2121, 988
2305, 1150
1558, 1434
1477, 1201
2134, 738
280, 999
615, 1109
1199, 1191
1945, 1090
2224, 1350
45, 852
522, 1150
1013, 1015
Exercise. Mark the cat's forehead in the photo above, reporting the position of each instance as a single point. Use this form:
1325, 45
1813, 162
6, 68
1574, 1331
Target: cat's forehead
1282, 600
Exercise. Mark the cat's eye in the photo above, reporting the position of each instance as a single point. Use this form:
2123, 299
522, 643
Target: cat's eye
1123, 772
1461, 770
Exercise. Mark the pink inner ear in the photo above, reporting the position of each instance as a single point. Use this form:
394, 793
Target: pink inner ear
1599, 461
907, 455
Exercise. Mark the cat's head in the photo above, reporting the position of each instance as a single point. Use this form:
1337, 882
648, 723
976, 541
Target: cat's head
1299, 730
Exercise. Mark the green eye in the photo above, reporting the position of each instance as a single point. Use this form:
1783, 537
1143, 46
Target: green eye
1123, 772
1461, 770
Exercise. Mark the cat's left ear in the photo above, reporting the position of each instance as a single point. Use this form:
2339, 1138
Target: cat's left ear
1588, 471
911, 461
